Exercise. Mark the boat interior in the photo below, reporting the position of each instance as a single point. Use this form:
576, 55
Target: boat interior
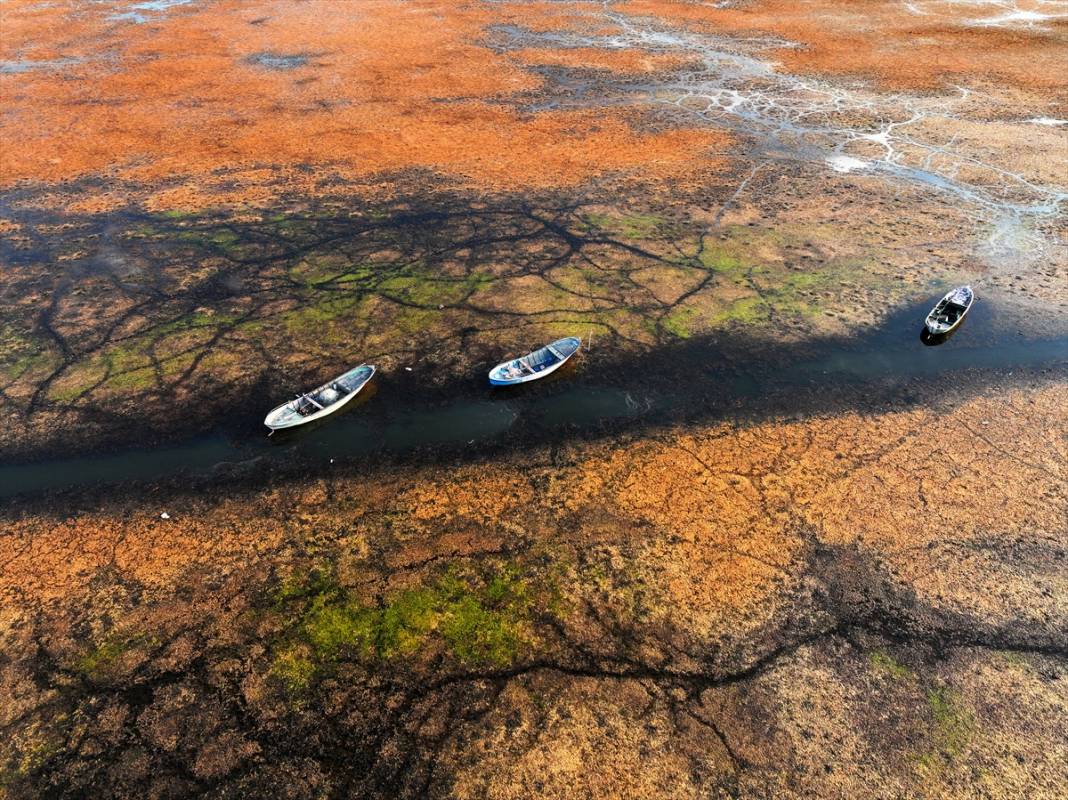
337, 389
947, 313
531, 364
321, 398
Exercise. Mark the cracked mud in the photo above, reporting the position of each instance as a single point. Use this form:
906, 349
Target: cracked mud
759, 541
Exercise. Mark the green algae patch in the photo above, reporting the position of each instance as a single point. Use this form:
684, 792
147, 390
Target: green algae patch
175, 214
478, 617
101, 657
314, 315
422, 289
724, 261
955, 724
139, 363
22, 354
325, 269
98, 661
953, 728
680, 323
628, 226
883, 662
1016, 661
294, 667
27, 754
283, 288
745, 311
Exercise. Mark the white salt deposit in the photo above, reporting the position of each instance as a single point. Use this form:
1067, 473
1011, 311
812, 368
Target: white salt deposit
842, 163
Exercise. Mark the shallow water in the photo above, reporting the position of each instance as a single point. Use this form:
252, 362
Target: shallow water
700, 380
735, 84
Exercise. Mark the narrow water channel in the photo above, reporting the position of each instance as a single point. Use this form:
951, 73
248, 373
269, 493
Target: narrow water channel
698, 381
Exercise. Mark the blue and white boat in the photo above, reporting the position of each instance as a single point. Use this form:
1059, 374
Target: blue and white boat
535, 365
318, 403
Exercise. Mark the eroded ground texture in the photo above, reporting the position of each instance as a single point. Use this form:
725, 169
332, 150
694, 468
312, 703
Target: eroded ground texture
755, 543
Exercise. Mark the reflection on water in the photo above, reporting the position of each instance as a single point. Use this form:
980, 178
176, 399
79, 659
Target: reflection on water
696, 381
935, 339
586, 405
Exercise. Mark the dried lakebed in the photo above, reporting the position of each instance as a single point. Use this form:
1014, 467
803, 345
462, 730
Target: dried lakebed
761, 541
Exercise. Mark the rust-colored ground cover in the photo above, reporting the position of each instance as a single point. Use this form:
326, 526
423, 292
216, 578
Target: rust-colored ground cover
345, 89
923, 45
204, 199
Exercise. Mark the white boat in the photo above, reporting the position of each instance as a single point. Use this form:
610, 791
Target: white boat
950, 310
325, 400
535, 365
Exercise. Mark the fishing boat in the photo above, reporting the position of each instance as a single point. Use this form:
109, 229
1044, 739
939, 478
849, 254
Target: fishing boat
321, 402
535, 365
950, 310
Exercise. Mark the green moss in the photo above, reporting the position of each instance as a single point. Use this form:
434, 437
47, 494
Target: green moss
97, 661
21, 352
480, 618
630, 226
955, 723
722, 261
415, 320
29, 756
477, 633
294, 668
136, 379
746, 311
313, 317
216, 239
422, 289
1016, 660
884, 662
131, 365
953, 728
330, 626
680, 322
18, 366
224, 238
403, 624
293, 226
318, 270
304, 583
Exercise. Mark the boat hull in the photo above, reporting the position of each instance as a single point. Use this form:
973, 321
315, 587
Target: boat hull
276, 420
528, 378
504, 373
963, 298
